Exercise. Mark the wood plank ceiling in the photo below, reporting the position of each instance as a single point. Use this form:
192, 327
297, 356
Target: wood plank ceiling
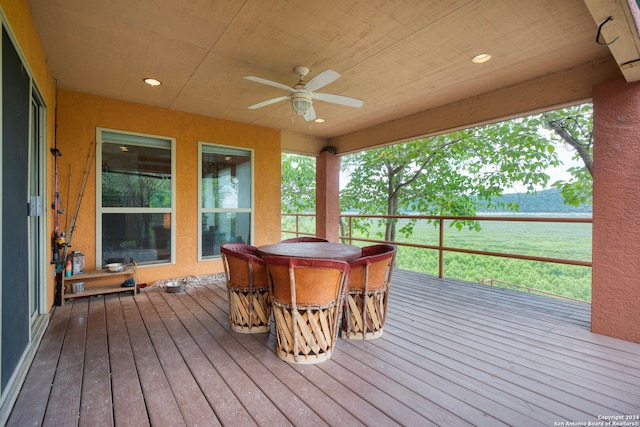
405, 58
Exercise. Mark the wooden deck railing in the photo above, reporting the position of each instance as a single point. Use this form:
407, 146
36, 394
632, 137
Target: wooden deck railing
349, 237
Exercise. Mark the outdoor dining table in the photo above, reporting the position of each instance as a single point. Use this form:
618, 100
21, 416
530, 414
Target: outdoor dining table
325, 250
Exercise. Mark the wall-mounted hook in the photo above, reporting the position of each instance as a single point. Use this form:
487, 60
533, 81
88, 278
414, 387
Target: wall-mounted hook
600, 31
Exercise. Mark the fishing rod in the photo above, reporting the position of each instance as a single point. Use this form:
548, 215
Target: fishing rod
83, 184
65, 244
58, 243
59, 238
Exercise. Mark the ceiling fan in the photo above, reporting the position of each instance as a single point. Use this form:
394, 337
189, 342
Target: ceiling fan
302, 93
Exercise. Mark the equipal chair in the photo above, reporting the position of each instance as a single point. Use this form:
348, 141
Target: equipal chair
248, 288
368, 292
307, 300
304, 239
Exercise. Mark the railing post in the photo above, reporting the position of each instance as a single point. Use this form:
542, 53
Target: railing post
440, 251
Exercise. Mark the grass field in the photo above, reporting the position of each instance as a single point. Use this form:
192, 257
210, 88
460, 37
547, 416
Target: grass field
552, 240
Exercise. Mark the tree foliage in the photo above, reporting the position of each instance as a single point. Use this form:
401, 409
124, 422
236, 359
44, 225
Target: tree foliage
298, 183
451, 174
454, 174
574, 127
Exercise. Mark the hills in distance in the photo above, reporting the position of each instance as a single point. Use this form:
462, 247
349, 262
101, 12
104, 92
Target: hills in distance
545, 201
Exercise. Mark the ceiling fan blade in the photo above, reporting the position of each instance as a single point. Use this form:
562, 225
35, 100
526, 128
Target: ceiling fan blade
268, 83
339, 99
310, 115
322, 79
268, 102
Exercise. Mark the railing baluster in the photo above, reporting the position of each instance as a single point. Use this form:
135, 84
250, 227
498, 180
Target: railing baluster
440, 248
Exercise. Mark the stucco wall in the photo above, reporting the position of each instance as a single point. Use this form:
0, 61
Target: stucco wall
616, 209
80, 114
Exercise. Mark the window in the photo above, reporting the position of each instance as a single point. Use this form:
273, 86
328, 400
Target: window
135, 198
226, 198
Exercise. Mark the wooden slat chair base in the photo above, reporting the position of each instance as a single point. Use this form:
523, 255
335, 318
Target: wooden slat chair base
369, 282
313, 342
248, 288
250, 311
307, 301
375, 314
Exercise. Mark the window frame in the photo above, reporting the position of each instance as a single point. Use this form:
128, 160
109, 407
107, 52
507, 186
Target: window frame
202, 210
100, 210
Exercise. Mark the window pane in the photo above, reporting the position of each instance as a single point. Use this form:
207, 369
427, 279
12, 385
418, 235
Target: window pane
218, 228
135, 176
226, 179
145, 237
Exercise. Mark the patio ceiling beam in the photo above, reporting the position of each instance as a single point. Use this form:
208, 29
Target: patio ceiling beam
543, 93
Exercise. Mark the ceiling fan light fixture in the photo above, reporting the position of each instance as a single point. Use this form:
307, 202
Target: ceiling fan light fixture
301, 102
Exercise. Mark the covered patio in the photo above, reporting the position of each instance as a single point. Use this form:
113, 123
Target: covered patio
453, 353
72, 88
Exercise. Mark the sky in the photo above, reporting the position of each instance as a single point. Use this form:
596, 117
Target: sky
565, 155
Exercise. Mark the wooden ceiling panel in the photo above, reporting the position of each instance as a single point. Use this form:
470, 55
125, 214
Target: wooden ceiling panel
275, 36
402, 57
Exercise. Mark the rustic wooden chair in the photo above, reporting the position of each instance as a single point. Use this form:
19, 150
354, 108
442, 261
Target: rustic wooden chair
368, 292
247, 287
307, 301
304, 239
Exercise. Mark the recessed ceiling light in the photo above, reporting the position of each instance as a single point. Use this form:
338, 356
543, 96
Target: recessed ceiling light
152, 82
481, 59
124, 148
319, 120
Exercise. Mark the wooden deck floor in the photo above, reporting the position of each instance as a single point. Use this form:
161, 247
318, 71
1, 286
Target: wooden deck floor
453, 354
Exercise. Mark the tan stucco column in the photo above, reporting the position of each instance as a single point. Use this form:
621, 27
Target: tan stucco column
615, 309
328, 195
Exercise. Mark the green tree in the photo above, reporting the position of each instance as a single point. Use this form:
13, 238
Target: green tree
451, 174
298, 183
574, 127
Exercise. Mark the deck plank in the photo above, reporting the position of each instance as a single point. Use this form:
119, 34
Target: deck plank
452, 353
580, 348
194, 407
556, 383
63, 405
261, 408
440, 394
515, 342
31, 403
128, 402
162, 407
95, 402
197, 351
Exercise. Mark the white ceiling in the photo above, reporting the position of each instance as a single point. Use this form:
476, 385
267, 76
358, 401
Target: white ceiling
401, 57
